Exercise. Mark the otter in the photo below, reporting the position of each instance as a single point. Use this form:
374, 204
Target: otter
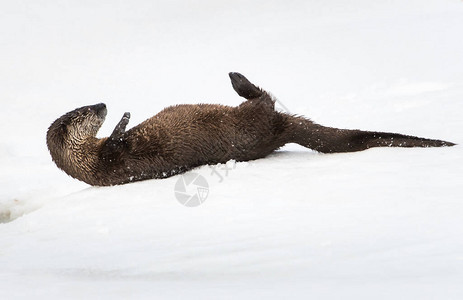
183, 137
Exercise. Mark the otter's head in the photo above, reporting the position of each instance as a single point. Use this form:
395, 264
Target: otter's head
77, 125
69, 138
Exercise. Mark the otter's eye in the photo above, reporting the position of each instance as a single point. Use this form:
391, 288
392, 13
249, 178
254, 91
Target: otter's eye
63, 128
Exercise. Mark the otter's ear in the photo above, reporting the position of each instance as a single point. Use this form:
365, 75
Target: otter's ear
244, 87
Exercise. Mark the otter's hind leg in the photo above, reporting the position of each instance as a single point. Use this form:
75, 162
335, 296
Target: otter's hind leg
331, 140
244, 87
254, 94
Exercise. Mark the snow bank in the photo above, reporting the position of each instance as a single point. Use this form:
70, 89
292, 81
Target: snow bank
384, 223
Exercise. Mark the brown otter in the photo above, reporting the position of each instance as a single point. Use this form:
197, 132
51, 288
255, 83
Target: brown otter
182, 137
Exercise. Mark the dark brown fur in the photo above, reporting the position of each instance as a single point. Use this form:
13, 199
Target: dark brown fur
182, 137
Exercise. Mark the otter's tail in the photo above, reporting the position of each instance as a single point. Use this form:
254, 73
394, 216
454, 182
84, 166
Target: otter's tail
333, 140
293, 129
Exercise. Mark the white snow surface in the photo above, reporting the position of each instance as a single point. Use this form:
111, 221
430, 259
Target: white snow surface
386, 223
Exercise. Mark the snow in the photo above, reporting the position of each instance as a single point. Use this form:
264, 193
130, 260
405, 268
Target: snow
384, 223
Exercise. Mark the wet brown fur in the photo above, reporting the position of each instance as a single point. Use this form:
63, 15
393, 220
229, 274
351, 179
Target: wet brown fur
183, 137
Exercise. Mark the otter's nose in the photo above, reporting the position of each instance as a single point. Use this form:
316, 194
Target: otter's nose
100, 109
99, 106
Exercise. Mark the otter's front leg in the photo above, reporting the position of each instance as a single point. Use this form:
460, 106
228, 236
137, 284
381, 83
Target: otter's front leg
115, 144
119, 130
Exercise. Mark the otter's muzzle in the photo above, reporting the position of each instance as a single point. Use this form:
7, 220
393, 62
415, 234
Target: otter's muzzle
100, 109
